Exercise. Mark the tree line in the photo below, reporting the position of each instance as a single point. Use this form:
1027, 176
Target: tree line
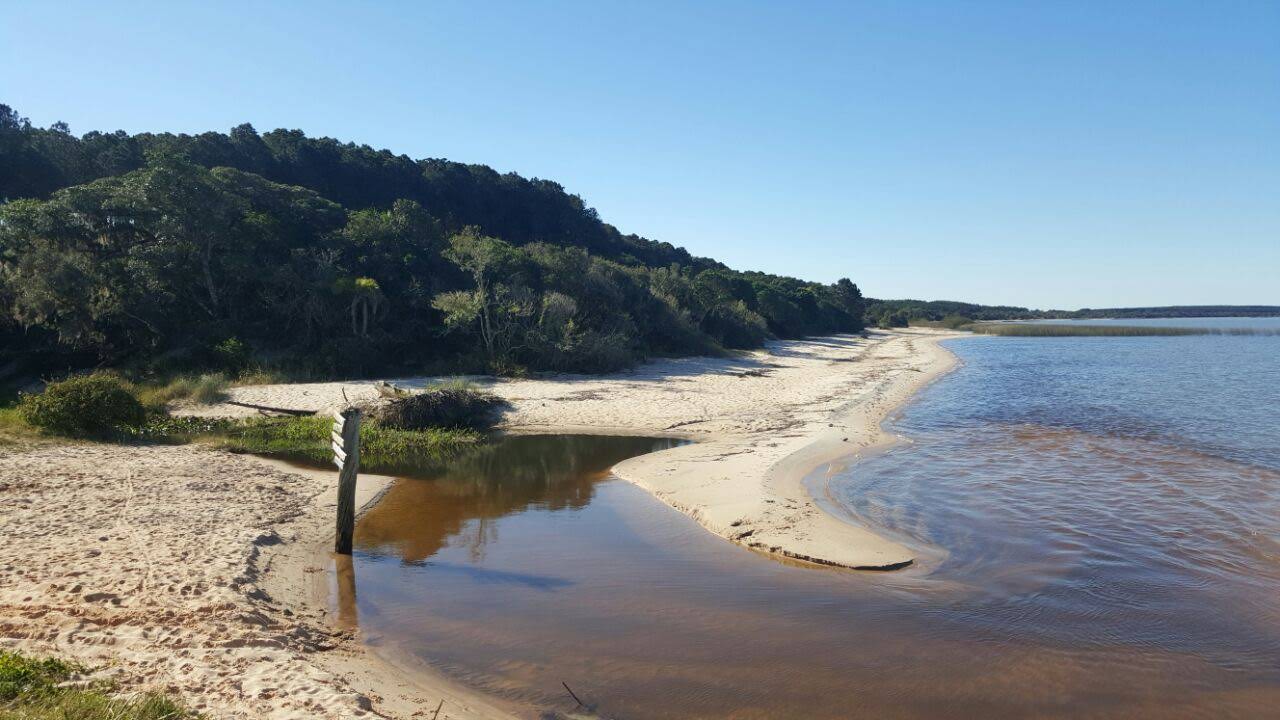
165, 252
900, 313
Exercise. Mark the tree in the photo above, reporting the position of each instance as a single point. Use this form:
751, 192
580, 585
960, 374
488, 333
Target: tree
495, 307
849, 299
134, 249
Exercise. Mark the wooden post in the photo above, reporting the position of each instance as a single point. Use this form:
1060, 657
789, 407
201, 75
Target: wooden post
346, 455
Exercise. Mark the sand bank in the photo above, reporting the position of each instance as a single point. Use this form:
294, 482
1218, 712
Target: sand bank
762, 420
195, 572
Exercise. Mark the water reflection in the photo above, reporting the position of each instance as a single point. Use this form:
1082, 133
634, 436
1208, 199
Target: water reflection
459, 503
1099, 564
347, 615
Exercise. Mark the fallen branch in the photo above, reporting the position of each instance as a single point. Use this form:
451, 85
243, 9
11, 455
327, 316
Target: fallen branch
571, 694
267, 408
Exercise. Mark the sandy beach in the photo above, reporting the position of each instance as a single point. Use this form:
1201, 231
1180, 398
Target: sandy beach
207, 574
760, 422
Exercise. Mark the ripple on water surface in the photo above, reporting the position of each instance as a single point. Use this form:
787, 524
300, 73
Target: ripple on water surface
1109, 524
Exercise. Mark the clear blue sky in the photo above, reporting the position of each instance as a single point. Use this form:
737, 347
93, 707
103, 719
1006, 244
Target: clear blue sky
1050, 154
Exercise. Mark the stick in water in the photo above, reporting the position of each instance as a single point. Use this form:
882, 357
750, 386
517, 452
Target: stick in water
575, 697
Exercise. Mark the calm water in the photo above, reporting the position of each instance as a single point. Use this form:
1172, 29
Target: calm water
1100, 518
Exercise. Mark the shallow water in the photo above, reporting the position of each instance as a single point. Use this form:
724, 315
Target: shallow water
1103, 523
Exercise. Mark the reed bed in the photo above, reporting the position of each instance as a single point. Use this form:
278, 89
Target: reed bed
1065, 330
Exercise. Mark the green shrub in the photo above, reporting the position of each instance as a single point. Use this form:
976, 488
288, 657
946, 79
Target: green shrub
954, 322
232, 355
34, 690
19, 675
894, 318
382, 449
733, 325
181, 429
203, 389
84, 406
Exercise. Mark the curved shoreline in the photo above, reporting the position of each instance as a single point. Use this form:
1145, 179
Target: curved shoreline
207, 574
785, 518
762, 420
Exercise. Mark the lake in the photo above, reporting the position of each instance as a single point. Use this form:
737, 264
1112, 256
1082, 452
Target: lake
1099, 520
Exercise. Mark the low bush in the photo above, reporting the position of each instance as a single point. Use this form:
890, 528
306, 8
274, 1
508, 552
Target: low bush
85, 406
203, 389
382, 449
12, 427
451, 405
232, 355
733, 325
161, 428
955, 322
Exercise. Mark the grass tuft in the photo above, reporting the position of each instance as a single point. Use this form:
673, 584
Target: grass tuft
37, 689
203, 389
382, 449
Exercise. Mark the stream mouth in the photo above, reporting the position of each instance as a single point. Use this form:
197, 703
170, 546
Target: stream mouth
527, 565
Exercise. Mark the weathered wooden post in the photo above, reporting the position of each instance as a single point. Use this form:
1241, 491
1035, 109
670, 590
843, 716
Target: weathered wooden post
346, 455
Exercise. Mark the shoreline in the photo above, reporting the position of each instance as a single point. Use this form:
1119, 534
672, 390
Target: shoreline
208, 574
760, 422
787, 519
401, 686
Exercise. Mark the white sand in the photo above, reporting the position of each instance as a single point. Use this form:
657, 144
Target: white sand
203, 573
195, 572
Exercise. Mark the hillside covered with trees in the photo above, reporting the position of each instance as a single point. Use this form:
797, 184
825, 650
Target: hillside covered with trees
899, 313
223, 249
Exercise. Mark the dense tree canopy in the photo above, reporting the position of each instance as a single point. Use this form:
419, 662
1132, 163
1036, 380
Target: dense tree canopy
157, 250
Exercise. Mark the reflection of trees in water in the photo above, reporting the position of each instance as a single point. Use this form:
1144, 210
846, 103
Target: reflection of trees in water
460, 500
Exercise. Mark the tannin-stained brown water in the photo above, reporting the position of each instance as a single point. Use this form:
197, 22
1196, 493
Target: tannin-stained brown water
1091, 550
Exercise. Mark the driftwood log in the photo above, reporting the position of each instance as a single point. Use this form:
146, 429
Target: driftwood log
390, 391
267, 409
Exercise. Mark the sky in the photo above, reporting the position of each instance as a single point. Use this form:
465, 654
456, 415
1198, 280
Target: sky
1044, 154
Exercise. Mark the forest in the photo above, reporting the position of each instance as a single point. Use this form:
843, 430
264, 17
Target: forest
900, 313
158, 252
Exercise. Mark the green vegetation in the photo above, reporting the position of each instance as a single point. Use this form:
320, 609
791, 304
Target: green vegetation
85, 406
1074, 330
37, 690
427, 427
204, 389
455, 405
12, 427
903, 312
925, 312
950, 322
163, 254
382, 449
1168, 311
